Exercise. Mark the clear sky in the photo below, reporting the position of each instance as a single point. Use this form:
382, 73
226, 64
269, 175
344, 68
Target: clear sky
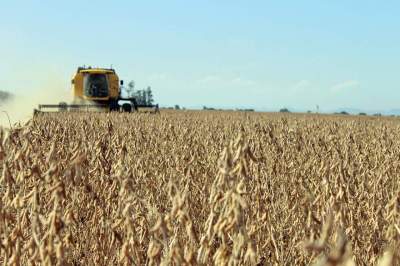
260, 54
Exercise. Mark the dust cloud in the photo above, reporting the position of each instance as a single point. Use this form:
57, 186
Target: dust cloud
20, 107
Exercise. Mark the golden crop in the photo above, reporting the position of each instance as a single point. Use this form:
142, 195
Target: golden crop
200, 188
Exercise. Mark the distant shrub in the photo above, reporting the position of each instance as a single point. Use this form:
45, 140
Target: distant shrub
284, 110
5, 95
245, 110
362, 114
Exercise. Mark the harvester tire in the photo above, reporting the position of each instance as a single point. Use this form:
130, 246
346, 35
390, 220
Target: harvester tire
114, 106
127, 108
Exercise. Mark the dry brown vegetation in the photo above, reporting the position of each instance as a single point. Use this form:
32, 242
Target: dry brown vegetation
200, 188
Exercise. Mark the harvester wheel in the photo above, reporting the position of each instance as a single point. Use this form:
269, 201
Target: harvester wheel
114, 106
126, 107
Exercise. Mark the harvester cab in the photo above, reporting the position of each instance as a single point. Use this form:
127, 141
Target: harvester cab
98, 89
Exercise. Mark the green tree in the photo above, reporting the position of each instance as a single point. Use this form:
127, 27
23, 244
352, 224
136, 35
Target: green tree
149, 96
144, 97
130, 89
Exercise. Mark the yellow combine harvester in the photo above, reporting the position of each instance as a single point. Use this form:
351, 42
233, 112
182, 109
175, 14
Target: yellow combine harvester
97, 88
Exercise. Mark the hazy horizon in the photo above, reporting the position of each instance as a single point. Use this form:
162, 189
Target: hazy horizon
262, 55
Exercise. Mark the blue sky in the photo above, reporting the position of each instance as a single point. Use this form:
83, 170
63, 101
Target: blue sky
260, 54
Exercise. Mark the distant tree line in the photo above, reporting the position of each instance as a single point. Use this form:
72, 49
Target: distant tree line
282, 110
144, 96
175, 107
220, 109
